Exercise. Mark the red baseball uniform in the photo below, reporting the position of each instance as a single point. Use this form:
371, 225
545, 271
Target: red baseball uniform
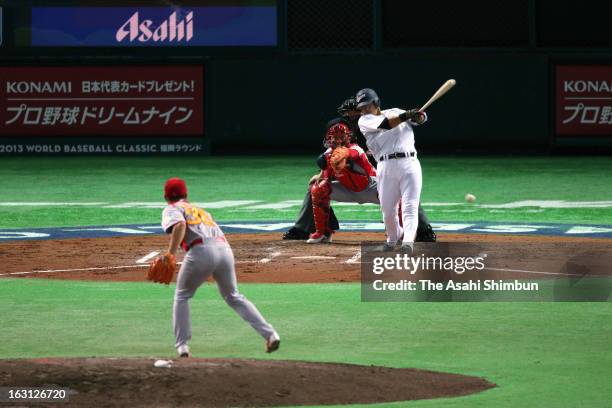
356, 175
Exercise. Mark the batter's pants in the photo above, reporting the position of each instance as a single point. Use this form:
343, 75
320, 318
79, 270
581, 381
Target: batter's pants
400, 179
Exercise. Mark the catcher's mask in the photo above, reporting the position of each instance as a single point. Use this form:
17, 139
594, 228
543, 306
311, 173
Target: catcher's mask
338, 135
175, 189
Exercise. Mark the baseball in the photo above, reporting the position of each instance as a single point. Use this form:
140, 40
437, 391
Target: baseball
470, 198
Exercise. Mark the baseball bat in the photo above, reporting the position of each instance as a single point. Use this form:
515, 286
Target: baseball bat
441, 91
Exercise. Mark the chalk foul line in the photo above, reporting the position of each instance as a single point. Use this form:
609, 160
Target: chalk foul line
148, 256
103, 268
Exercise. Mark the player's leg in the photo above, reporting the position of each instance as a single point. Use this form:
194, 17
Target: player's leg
196, 268
305, 222
410, 183
389, 194
334, 225
342, 194
321, 193
422, 216
370, 194
305, 225
225, 276
425, 232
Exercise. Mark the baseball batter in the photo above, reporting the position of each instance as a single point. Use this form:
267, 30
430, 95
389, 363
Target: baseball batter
304, 225
390, 138
207, 253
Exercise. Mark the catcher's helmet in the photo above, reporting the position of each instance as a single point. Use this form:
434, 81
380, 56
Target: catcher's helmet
175, 189
367, 96
338, 135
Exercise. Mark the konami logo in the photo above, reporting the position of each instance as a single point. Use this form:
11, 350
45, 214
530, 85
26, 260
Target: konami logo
581, 86
170, 30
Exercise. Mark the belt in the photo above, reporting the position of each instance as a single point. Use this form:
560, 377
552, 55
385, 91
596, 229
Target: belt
202, 241
398, 155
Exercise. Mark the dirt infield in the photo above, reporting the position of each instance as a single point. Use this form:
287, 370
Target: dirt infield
266, 258
230, 382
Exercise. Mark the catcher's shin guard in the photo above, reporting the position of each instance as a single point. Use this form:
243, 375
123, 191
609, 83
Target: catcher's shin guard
321, 193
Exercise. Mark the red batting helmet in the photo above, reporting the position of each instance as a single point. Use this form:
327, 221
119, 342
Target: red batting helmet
338, 135
175, 189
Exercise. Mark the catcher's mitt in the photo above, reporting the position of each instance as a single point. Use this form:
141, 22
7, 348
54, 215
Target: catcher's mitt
162, 269
338, 157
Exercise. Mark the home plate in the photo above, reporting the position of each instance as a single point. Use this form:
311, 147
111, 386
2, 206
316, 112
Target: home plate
313, 257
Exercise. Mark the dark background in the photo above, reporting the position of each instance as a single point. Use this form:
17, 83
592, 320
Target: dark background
501, 52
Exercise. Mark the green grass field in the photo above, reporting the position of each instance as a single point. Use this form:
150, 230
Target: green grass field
539, 354
584, 182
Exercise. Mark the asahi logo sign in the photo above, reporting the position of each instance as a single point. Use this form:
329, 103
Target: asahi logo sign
133, 26
174, 29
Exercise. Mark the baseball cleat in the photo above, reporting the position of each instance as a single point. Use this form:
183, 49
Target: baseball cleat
273, 343
406, 248
183, 351
295, 234
318, 238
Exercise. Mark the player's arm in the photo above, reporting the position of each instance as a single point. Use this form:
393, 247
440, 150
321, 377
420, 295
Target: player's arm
177, 236
316, 178
323, 165
413, 116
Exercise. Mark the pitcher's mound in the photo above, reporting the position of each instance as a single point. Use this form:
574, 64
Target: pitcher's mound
117, 382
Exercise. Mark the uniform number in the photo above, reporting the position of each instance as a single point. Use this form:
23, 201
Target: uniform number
198, 215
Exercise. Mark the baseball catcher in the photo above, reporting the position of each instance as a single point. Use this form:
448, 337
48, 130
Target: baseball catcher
346, 175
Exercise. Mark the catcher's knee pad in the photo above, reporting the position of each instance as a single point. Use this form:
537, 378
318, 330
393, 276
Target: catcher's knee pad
321, 193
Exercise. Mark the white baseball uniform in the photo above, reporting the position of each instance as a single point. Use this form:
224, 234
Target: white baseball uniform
398, 178
208, 253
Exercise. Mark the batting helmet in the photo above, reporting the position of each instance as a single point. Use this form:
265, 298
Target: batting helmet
175, 189
367, 96
338, 135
